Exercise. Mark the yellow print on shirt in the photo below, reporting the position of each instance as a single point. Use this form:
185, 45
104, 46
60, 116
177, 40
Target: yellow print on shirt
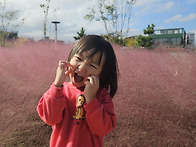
80, 110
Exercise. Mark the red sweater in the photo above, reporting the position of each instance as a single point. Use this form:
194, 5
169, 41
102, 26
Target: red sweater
58, 108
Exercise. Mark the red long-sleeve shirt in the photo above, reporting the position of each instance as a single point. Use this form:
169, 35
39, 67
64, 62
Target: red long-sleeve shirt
57, 108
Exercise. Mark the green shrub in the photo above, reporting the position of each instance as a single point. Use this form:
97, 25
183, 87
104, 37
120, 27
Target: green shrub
144, 41
131, 42
115, 39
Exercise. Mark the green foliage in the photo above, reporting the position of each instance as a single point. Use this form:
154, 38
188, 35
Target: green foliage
80, 34
131, 42
115, 39
45, 8
9, 22
149, 30
91, 15
3, 36
146, 41
118, 40
8, 18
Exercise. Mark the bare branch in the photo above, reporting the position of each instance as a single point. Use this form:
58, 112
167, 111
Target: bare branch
114, 14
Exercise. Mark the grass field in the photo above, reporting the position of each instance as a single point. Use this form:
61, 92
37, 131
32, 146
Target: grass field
155, 103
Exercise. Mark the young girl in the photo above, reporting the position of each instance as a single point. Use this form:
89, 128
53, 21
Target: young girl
81, 111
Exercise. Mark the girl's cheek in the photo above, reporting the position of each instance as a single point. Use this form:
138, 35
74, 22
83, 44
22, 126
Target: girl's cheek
73, 65
72, 62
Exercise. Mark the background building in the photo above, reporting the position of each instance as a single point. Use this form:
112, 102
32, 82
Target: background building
191, 39
174, 36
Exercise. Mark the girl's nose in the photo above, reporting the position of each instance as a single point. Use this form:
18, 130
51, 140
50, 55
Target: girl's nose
82, 68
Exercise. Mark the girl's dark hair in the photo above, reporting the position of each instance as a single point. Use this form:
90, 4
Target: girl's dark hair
94, 44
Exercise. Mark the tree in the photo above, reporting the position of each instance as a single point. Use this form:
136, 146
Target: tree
9, 21
149, 30
45, 8
8, 18
146, 41
114, 14
80, 34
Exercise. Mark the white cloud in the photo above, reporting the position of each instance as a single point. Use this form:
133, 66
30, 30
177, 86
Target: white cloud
133, 32
179, 18
153, 6
70, 13
190, 1
143, 7
141, 3
189, 17
175, 18
165, 6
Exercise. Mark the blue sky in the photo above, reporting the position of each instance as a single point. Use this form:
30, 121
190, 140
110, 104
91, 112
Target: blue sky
163, 14
166, 14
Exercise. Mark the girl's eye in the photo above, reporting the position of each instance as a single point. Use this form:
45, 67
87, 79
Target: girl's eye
78, 58
93, 66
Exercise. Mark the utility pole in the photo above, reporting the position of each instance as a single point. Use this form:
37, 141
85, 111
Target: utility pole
55, 24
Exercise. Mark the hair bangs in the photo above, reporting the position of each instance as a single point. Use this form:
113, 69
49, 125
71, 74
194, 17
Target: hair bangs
90, 50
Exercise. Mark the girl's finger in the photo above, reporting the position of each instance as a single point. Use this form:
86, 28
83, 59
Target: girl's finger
70, 66
61, 64
68, 71
96, 80
64, 64
93, 80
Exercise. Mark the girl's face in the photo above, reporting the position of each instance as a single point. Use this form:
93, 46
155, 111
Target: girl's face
84, 67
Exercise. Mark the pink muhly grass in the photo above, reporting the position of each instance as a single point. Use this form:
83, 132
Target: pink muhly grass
26, 71
155, 102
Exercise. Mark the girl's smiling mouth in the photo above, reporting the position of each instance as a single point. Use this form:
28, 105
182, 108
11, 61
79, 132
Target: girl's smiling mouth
78, 78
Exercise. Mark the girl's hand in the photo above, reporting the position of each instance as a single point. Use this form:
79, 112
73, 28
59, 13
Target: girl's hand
62, 73
92, 85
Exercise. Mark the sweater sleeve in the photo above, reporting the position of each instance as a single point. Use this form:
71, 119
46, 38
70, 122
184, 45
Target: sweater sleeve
100, 116
51, 105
